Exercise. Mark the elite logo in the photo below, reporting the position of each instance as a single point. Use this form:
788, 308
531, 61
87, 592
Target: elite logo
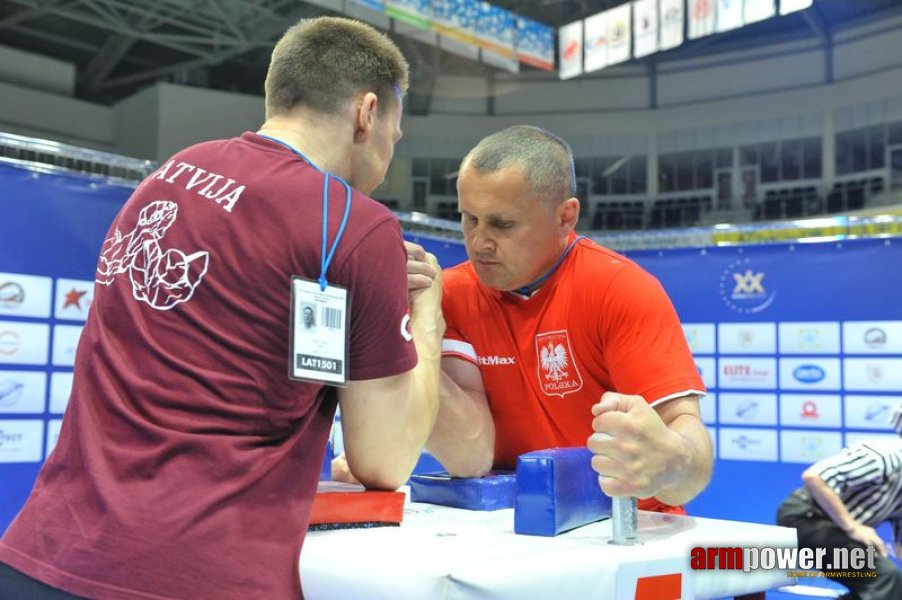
558, 373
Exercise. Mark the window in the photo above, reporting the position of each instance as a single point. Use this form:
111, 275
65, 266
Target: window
769, 155
811, 158
748, 155
876, 147
790, 160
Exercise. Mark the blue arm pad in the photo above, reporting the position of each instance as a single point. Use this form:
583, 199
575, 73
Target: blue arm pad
557, 491
492, 492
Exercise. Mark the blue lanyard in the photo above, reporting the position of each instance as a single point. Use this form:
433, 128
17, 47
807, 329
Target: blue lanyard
326, 258
529, 288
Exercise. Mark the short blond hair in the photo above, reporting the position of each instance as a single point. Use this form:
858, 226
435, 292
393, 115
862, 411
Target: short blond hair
322, 63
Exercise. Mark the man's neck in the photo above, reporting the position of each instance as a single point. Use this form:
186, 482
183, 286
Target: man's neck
319, 138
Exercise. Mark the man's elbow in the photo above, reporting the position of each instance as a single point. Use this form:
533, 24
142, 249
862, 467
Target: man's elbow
471, 465
380, 476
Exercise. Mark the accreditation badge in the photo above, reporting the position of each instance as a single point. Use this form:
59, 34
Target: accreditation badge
319, 333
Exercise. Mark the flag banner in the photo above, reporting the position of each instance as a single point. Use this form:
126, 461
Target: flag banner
571, 50
645, 27
670, 24
456, 19
414, 12
788, 6
729, 15
535, 44
495, 30
596, 41
620, 39
758, 10
701, 18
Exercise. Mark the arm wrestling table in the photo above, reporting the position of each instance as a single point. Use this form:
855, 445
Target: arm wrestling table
443, 553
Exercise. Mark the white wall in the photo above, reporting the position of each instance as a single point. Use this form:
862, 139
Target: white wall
36, 72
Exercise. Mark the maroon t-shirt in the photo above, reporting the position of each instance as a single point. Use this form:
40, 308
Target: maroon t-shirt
188, 459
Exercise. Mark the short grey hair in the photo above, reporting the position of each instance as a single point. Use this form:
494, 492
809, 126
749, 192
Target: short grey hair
546, 159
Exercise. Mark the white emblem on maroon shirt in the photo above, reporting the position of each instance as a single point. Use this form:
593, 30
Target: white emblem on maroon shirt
558, 373
160, 277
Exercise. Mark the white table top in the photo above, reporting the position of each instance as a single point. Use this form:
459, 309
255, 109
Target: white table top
442, 553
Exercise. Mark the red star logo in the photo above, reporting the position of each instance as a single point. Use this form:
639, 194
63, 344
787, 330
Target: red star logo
73, 298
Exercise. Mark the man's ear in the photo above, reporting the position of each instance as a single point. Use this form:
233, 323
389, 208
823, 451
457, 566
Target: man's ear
568, 212
365, 119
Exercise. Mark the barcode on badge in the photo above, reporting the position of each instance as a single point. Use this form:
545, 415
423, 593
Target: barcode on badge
331, 318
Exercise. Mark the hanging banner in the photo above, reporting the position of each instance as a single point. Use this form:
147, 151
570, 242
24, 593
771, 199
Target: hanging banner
495, 30
729, 15
620, 39
701, 18
414, 12
671, 24
645, 27
596, 36
758, 10
376, 5
456, 19
788, 6
570, 53
535, 44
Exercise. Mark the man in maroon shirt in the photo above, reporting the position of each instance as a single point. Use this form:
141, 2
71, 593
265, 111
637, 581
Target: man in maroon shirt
189, 456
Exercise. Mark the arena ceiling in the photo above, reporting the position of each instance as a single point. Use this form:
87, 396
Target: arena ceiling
121, 46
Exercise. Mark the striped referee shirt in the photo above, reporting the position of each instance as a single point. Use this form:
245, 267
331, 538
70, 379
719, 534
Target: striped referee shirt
868, 478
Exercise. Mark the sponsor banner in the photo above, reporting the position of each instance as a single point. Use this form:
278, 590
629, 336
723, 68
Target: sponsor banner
811, 410
747, 373
712, 431
729, 15
808, 446
707, 368
60, 389
508, 63
571, 50
21, 440
736, 443
788, 6
758, 10
24, 343
53, 434
701, 18
415, 12
645, 27
73, 298
747, 338
535, 44
670, 22
745, 288
25, 295
863, 437
815, 337
65, 343
869, 412
700, 337
620, 39
747, 409
596, 41
707, 405
872, 337
809, 374
22, 392
873, 374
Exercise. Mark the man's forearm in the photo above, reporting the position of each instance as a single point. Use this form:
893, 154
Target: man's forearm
692, 462
463, 438
829, 501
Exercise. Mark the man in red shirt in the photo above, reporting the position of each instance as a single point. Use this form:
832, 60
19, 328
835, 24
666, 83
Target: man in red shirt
546, 330
201, 405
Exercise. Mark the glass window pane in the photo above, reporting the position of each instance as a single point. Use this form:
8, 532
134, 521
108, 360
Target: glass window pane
748, 155
770, 163
685, 172
421, 167
811, 158
895, 133
704, 169
666, 173
638, 175
791, 159
859, 143
877, 147
843, 153
724, 157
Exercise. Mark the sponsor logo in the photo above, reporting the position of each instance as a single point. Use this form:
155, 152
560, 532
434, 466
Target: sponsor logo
809, 339
12, 295
874, 373
742, 288
571, 50
558, 373
744, 442
702, 9
746, 338
9, 342
808, 374
405, 328
812, 447
74, 298
877, 413
809, 410
857, 562
7, 438
496, 360
747, 409
875, 338
10, 392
